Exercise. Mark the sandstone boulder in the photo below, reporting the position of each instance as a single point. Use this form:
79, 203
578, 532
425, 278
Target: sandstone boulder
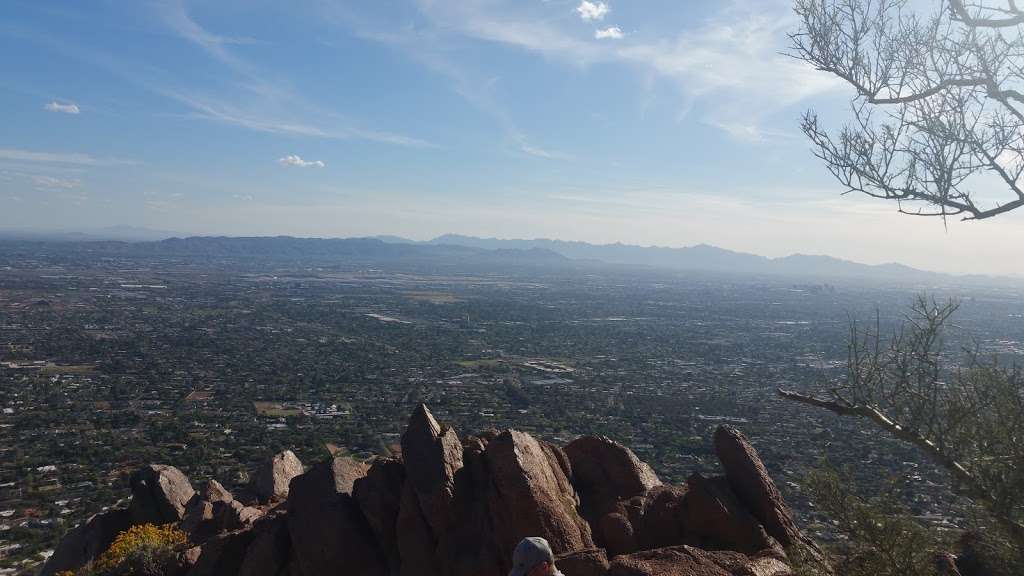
159, 494
604, 472
379, 496
615, 533
468, 547
589, 562
198, 519
274, 476
222, 555
213, 491
87, 541
530, 495
269, 552
713, 519
432, 456
689, 561
329, 533
234, 515
753, 486
213, 510
661, 520
416, 542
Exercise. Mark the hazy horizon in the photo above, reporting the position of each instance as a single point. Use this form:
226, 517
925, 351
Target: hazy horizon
652, 123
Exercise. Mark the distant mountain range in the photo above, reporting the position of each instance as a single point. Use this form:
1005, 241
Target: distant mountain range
116, 233
699, 257
453, 249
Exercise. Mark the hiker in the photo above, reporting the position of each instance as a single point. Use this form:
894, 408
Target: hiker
533, 557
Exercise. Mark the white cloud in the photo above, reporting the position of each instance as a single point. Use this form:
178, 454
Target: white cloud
591, 10
66, 108
611, 32
295, 160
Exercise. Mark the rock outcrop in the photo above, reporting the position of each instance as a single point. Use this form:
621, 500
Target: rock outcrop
751, 483
432, 456
275, 475
214, 510
605, 471
457, 507
329, 533
87, 541
531, 495
160, 494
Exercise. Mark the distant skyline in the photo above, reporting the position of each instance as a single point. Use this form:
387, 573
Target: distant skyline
644, 122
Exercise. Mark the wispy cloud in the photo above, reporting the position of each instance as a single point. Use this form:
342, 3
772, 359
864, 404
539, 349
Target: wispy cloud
277, 110
489, 22
227, 113
592, 10
730, 64
70, 158
296, 160
611, 32
750, 132
63, 107
526, 148
177, 18
430, 49
53, 182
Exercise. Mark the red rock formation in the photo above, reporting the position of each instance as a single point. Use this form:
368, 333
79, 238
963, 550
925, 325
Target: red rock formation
715, 520
432, 456
531, 495
690, 561
658, 517
753, 486
270, 550
416, 543
379, 495
604, 472
87, 541
159, 494
588, 562
214, 510
274, 476
222, 554
329, 534
451, 508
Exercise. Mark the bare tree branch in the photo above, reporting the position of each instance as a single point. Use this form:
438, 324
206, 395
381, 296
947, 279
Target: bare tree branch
967, 417
948, 89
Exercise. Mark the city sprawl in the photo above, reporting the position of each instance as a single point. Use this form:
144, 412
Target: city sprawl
110, 361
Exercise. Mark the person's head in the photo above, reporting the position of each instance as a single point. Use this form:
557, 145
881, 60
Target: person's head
533, 557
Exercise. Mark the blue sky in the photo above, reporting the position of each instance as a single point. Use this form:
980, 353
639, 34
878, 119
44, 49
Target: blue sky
641, 121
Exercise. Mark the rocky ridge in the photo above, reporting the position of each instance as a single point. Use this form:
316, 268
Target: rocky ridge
457, 507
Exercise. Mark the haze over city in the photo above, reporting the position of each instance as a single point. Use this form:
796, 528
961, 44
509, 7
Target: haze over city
511, 287
658, 122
